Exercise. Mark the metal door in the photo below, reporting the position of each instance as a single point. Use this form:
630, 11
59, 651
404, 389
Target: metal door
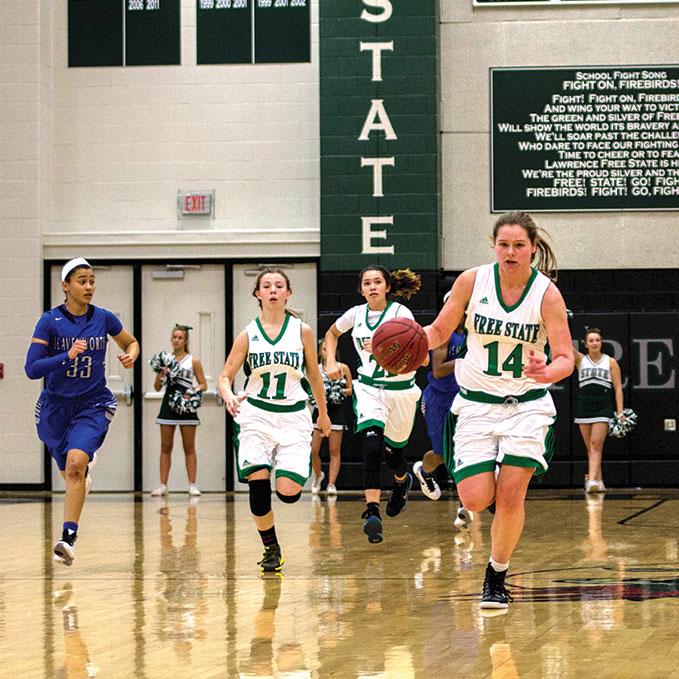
190, 295
115, 459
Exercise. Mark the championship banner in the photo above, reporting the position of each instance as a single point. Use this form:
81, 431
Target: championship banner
379, 134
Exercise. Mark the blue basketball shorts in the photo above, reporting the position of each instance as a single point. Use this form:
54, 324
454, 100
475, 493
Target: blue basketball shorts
67, 423
435, 408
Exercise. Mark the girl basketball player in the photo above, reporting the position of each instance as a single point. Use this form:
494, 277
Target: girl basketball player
168, 419
600, 385
385, 404
337, 415
503, 414
73, 413
271, 419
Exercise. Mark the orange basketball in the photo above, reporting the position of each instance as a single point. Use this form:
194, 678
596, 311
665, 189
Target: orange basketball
400, 345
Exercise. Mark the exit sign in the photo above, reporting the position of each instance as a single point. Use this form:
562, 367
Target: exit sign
196, 203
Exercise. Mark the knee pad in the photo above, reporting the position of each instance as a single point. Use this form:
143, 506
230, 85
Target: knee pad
373, 446
260, 497
289, 499
395, 460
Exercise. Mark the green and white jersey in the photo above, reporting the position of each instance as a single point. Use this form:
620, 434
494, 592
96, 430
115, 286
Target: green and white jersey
363, 322
500, 336
275, 367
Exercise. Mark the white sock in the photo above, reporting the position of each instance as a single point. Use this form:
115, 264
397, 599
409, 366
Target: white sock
498, 567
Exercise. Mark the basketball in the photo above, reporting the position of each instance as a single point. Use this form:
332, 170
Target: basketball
400, 345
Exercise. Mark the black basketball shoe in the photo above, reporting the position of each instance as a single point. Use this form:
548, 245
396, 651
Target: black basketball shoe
399, 496
495, 594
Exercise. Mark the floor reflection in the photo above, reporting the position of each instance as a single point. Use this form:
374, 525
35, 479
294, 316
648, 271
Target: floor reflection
171, 589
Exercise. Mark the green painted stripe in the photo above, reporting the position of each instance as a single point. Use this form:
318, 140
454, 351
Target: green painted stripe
473, 469
276, 408
483, 397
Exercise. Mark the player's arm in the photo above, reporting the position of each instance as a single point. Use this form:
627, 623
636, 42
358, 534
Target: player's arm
129, 346
453, 310
616, 376
346, 373
560, 343
200, 374
313, 374
38, 363
234, 361
331, 337
440, 366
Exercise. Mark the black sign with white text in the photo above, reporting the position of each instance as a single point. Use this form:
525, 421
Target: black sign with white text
585, 138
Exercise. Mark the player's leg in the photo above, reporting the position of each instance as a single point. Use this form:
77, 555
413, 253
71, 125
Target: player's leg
188, 433
434, 411
371, 412
399, 425
259, 492
166, 444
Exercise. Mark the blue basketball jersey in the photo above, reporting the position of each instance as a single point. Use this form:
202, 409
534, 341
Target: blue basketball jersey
86, 373
457, 345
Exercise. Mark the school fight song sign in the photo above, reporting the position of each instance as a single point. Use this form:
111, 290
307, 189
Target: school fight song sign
585, 138
379, 134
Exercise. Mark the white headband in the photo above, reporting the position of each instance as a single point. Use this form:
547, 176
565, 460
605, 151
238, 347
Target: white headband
72, 264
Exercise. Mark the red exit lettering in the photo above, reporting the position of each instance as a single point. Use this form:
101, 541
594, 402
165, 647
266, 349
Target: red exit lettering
194, 204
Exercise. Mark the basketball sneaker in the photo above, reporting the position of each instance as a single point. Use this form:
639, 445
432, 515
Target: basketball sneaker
316, 482
331, 489
372, 526
272, 560
64, 550
495, 594
427, 481
160, 490
399, 496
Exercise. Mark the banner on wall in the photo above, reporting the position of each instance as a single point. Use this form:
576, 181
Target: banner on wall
379, 134
585, 139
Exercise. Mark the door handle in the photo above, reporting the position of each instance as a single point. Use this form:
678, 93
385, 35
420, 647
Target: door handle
127, 392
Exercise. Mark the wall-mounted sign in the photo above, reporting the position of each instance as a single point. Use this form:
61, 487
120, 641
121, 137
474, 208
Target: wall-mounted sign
196, 203
379, 134
123, 32
562, 3
253, 31
585, 138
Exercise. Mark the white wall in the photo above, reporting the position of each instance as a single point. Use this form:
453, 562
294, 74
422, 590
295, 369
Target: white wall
475, 39
24, 203
125, 140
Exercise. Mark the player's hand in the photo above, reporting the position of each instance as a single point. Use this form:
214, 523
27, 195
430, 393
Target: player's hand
368, 346
536, 368
232, 403
323, 424
77, 348
126, 360
333, 371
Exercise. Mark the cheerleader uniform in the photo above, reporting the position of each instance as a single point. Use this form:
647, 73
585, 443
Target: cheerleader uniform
183, 382
596, 401
336, 411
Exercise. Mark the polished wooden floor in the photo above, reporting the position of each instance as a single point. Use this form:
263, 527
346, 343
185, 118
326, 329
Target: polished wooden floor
171, 588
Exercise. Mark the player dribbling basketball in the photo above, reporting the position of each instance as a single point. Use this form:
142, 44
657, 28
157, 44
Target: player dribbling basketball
384, 404
503, 413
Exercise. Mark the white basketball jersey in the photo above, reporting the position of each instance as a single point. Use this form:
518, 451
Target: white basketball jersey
599, 373
499, 337
363, 323
275, 366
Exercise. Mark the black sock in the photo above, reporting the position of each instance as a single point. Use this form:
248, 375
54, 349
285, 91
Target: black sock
268, 536
70, 532
373, 509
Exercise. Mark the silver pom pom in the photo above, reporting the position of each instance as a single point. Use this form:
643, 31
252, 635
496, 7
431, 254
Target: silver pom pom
619, 428
185, 402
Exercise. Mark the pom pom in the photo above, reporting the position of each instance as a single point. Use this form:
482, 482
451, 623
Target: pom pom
183, 402
619, 428
164, 359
